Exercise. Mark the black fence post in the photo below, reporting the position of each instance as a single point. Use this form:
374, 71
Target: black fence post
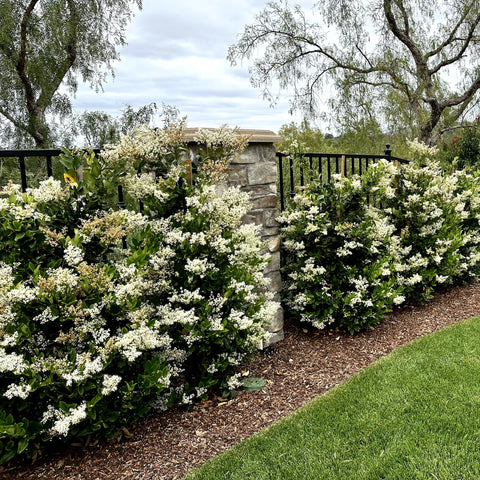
121, 202
49, 166
388, 151
23, 172
280, 173
292, 177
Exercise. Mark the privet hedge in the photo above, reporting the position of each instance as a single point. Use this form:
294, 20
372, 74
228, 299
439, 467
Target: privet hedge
359, 246
107, 313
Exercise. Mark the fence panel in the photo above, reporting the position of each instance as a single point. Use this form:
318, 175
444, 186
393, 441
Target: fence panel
321, 166
44, 156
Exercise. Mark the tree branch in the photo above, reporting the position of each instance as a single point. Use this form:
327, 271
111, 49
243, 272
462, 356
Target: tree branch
22, 58
455, 127
459, 55
468, 94
401, 6
452, 37
403, 36
52, 85
12, 119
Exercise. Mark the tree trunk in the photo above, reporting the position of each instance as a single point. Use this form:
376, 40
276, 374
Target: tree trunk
426, 130
425, 135
38, 128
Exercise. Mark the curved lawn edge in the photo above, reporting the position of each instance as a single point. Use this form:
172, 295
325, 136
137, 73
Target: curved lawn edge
409, 415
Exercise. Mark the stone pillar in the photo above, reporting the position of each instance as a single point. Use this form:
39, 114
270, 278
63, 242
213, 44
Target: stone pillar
255, 171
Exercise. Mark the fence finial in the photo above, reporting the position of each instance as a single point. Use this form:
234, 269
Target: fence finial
388, 151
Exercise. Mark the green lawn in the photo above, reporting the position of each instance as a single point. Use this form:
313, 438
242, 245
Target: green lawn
414, 414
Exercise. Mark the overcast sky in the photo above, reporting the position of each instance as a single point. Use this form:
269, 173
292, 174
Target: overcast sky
176, 54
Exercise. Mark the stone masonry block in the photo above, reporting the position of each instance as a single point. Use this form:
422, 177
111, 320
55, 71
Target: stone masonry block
275, 337
256, 153
237, 175
276, 284
268, 201
270, 217
273, 243
269, 231
253, 216
249, 155
261, 174
261, 190
277, 322
274, 265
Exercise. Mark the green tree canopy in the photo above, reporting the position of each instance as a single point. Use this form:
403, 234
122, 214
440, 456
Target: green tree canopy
414, 63
302, 137
45, 47
99, 128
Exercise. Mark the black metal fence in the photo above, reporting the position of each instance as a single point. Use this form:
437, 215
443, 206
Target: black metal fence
294, 172
44, 159
44, 156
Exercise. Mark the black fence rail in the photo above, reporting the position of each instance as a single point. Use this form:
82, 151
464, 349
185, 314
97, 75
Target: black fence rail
295, 172
43, 156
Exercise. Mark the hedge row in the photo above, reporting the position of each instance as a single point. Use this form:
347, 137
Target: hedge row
107, 313
357, 247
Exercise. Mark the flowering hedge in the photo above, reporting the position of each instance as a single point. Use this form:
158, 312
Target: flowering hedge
107, 313
359, 246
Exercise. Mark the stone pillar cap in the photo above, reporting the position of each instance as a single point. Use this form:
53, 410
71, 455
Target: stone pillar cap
256, 136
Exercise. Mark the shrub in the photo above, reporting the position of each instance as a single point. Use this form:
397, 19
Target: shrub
107, 313
339, 267
359, 246
463, 150
435, 215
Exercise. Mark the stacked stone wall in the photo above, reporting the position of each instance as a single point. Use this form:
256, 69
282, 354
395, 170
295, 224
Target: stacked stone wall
255, 171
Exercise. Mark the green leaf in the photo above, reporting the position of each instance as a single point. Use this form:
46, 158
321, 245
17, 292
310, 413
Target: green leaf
253, 383
22, 445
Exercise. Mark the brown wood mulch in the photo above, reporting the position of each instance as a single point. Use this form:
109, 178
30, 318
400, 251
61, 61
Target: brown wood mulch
306, 364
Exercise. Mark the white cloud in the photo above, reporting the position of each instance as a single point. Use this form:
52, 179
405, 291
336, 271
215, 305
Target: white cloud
176, 54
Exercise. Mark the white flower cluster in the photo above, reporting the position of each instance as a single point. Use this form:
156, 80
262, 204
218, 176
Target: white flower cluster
12, 362
73, 255
24, 206
200, 266
49, 190
110, 384
226, 138
20, 391
421, 151
140, 186
227, 209
144, 146
63, 421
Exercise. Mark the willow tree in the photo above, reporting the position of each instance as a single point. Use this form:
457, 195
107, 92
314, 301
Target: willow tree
46, 46
410, 62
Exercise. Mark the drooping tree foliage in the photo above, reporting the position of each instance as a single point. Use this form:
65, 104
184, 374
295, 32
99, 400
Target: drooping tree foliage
99, 128
409, 63
45, 47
